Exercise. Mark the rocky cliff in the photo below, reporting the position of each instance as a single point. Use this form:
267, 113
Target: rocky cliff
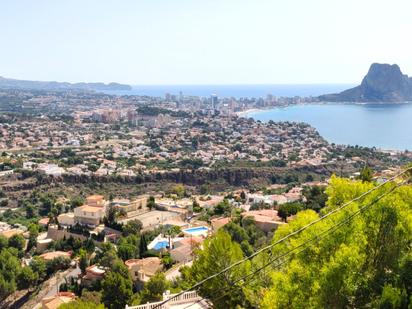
383, 83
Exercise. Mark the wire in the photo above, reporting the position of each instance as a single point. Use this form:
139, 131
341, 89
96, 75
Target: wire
305, 245
283, 238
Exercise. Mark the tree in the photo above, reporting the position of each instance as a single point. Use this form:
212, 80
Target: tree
39, 267
236, 232
353, 266
126, 250
196, 207
107, 255
4, 242
33, 232
128, 247
222, 208
17, 241
315, 198
89, 245
392, 298
116, 290
27, 278
76, 201
167, 261
30, 211
111, 219
142, 245
80, 304
132, 227
83, 261
9, 270
151, 202
218, 253
289, 209
366, 174
179, 190
154, 288
91, 297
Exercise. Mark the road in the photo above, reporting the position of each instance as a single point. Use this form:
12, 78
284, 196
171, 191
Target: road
50, 288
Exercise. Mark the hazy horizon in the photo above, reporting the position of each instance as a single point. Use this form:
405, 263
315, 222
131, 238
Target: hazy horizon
218, 42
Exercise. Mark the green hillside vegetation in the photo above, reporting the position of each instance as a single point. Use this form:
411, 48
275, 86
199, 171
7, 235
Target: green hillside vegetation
365, 263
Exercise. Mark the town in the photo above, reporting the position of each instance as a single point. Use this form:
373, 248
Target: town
108, 199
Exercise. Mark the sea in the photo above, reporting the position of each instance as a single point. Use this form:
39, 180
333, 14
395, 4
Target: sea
386, 126
235, 91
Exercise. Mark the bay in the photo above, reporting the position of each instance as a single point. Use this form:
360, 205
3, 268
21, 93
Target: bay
384, 126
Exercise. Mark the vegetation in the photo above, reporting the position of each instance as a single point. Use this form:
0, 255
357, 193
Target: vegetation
365, 263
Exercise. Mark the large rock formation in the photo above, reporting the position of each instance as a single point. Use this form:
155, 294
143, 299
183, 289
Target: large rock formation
383, 83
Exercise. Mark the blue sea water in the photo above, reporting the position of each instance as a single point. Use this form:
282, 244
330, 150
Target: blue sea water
236, 91
385, 126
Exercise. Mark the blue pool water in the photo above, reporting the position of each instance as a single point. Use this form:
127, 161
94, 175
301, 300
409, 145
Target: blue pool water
196, 230
161, 245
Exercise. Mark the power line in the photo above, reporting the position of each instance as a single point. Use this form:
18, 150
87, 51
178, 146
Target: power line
284, 238
305, 245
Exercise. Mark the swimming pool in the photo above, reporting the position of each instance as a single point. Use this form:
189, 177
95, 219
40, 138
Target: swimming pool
198, 230
161, 245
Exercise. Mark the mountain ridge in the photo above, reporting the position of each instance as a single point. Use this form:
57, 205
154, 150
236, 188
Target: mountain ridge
383, 83
10, 83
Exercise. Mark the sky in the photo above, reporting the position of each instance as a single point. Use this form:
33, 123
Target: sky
203, 41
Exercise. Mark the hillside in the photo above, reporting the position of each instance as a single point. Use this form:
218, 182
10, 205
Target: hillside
8, 83
382, 83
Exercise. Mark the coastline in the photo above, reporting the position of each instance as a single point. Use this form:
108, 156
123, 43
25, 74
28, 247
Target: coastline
244, 113
340, 135
248, 111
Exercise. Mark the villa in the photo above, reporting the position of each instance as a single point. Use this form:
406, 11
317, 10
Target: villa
93, 273
143, 269
267, 219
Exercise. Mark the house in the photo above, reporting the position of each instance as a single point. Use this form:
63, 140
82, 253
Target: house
93, 274
131, 208
50, 169
96, 201
66, 219
48, 256
143, 269
56, 301
43, 243
183, 249
217, 223
88, 215
44, 221
266, 219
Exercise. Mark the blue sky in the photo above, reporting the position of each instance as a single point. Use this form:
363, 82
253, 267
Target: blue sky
203, 42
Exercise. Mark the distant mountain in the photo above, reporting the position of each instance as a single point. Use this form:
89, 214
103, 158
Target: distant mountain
8, 83
383, 83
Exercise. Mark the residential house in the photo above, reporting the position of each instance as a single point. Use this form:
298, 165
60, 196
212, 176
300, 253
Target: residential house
266, 219
54, 302
143, 269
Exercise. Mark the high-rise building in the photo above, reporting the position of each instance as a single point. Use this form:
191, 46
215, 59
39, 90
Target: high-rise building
180, 101
214, 101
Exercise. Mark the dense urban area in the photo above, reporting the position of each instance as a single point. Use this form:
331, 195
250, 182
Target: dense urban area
126, 201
